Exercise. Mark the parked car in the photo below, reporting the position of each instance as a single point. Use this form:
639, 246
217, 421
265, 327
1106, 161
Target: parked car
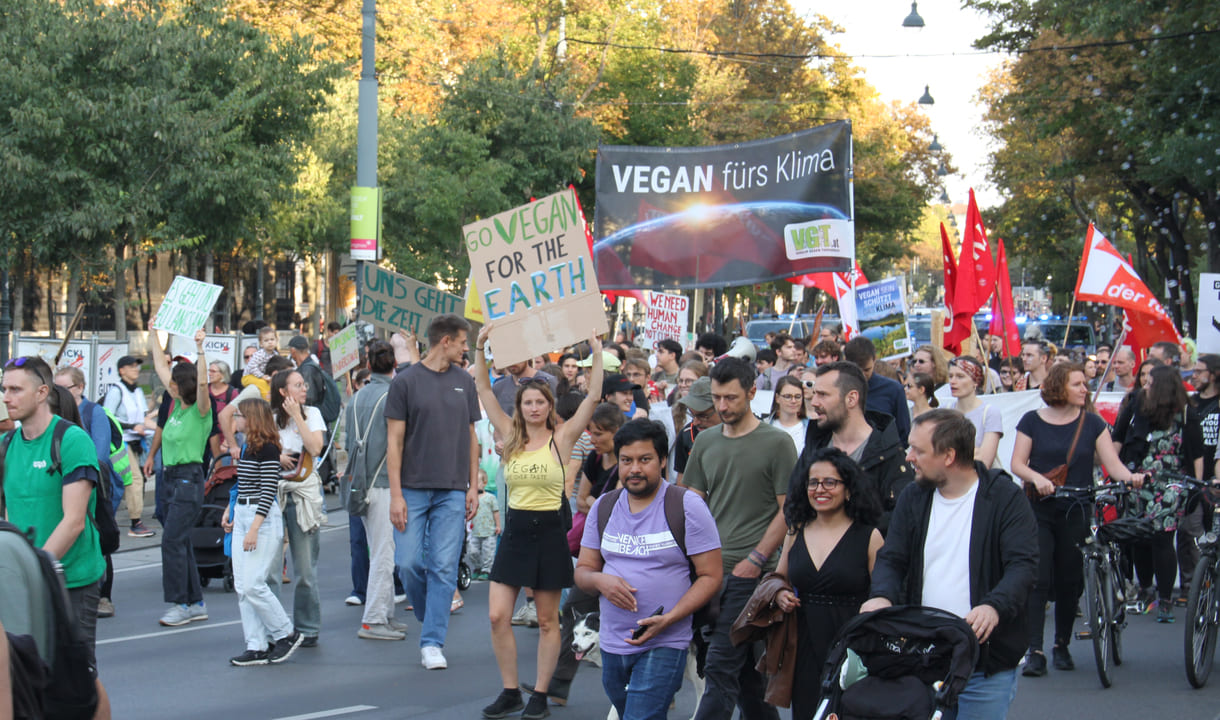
800, 326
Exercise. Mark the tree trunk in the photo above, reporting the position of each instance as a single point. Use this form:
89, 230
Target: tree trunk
18, 284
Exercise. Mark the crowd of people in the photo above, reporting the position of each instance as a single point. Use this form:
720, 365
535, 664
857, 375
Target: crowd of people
635, 482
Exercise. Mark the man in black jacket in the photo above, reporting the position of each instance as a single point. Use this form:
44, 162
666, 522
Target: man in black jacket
840, 395
985, 580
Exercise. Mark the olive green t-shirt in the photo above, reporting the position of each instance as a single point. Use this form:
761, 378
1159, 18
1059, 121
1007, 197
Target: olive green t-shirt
741, 477
185, 435
33, 495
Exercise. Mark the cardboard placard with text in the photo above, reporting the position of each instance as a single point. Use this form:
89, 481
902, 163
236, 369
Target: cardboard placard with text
396, 302
187, 306
344, 350
535, 278
666, 318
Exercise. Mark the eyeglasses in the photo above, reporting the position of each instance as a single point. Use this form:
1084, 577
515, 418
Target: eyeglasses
827, 483
34, 367
685, 382
793, 398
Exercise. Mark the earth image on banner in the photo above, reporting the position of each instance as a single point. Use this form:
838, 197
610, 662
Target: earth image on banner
710, 246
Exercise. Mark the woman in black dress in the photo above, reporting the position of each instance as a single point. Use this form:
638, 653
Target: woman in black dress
828, 558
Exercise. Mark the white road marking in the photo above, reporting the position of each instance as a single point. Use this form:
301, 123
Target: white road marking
330, 713
133, 568
167, 633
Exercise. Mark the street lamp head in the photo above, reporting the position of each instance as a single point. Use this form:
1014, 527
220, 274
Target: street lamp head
943, 170
926, 98
935, 146
913, 20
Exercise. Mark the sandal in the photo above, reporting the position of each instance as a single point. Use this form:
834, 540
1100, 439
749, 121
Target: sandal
456, 605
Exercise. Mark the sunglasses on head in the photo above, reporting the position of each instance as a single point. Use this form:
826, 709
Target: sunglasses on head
21, 362
533, 380
808, 383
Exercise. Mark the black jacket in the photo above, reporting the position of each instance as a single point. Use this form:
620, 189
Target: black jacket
883, 460
1003, 559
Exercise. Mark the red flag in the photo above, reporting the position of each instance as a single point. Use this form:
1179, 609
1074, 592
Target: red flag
954, 346
1003, 319
1106, 277
975, 276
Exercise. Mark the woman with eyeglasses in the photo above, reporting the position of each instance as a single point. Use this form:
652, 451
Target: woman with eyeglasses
920, 390
788, 410
828, 558
965, 380
1011, 373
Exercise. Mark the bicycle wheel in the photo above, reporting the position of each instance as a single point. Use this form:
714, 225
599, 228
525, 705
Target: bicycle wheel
1118, 619
1099, 619
1199, 641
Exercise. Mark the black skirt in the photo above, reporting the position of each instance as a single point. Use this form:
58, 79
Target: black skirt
533, 551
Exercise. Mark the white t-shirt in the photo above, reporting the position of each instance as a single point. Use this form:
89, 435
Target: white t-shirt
946, 553
796, 432
290, 437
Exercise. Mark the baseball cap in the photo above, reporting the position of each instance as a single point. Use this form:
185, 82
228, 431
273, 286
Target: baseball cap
699, 397
617, 383
298, 342
610, 361
128, 360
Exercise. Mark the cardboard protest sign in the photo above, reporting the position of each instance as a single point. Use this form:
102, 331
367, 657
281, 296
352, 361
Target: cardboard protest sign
344, 350
397, 302
535, 278
665, 318
187, 306
881, 312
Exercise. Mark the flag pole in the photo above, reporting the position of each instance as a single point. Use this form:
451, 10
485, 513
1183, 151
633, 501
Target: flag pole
1068, 329
978, 343
1003, 322
1121, 336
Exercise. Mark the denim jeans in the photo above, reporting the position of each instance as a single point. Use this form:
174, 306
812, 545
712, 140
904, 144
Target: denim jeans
732, 680
359, 543
179, 575
427, 554
262, 616
84, 605
306, 608
161, 493
641, 686
985, 698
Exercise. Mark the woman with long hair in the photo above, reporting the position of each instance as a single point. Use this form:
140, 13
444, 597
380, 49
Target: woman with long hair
788, 410
1160, 432
921, 391
1044, 439
182, 443
533, 550
259, 525
828, 555
931, 360
301, 430
965, 380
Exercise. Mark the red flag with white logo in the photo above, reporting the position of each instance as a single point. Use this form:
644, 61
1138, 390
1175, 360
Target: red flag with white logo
1106, 277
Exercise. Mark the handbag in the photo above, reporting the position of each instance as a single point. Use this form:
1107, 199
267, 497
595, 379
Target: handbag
1058, 475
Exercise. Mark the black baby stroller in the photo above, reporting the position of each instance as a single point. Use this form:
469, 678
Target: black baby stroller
900, 663
208, 537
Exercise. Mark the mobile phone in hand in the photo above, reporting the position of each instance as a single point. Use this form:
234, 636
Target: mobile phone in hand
640, 630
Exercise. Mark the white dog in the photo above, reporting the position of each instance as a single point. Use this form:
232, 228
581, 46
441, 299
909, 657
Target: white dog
586, 644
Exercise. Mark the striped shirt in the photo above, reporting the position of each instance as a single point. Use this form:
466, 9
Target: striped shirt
258, 476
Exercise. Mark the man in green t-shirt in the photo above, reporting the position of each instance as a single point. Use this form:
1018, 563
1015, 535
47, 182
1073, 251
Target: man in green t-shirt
56, 504
741, 468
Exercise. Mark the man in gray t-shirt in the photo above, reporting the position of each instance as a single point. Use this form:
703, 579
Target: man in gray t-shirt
430, 413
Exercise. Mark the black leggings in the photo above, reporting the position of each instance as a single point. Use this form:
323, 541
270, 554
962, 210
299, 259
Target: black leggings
1062, 525
1157, 556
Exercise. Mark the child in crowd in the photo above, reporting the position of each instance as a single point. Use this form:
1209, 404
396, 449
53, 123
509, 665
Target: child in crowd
485, 531
255, 371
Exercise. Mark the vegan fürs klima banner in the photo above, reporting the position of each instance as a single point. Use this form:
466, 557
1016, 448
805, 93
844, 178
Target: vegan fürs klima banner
674, 217
535, 278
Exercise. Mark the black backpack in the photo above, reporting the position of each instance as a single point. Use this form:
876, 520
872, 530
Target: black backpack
675, 518
331, 400
103, 516
66, 688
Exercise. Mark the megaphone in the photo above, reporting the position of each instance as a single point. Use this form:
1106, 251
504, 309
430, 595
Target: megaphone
741, 348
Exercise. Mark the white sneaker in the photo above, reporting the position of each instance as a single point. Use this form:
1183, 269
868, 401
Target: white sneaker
400, 598
353, 600
433, 658
526, 615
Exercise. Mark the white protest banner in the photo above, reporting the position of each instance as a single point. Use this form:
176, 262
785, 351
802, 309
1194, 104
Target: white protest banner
535, 278
1208, 327
881, 313
187, 306
344, 350
396, 302
665, 318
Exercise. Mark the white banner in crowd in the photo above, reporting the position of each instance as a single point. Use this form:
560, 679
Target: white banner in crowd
665, 318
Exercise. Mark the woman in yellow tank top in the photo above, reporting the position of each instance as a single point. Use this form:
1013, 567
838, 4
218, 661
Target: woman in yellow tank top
533, 548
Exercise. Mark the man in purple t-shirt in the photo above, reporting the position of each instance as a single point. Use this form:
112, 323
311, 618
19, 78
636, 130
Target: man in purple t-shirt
643, 577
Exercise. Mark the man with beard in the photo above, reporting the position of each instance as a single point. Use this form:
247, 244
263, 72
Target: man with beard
741, 468
639, 564
984, 580
840, 395
1206, 380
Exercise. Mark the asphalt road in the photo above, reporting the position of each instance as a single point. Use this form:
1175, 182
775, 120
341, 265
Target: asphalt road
154, 672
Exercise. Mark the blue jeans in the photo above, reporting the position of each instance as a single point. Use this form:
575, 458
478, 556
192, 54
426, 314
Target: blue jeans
360, 556
179, 574
641, 686
427, 554
985, 698
306, 608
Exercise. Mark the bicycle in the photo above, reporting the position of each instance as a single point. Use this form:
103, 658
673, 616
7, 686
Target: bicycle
1105, 609
1203, 601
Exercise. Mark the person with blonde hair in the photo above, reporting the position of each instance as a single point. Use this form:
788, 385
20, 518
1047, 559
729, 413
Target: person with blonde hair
931, 361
